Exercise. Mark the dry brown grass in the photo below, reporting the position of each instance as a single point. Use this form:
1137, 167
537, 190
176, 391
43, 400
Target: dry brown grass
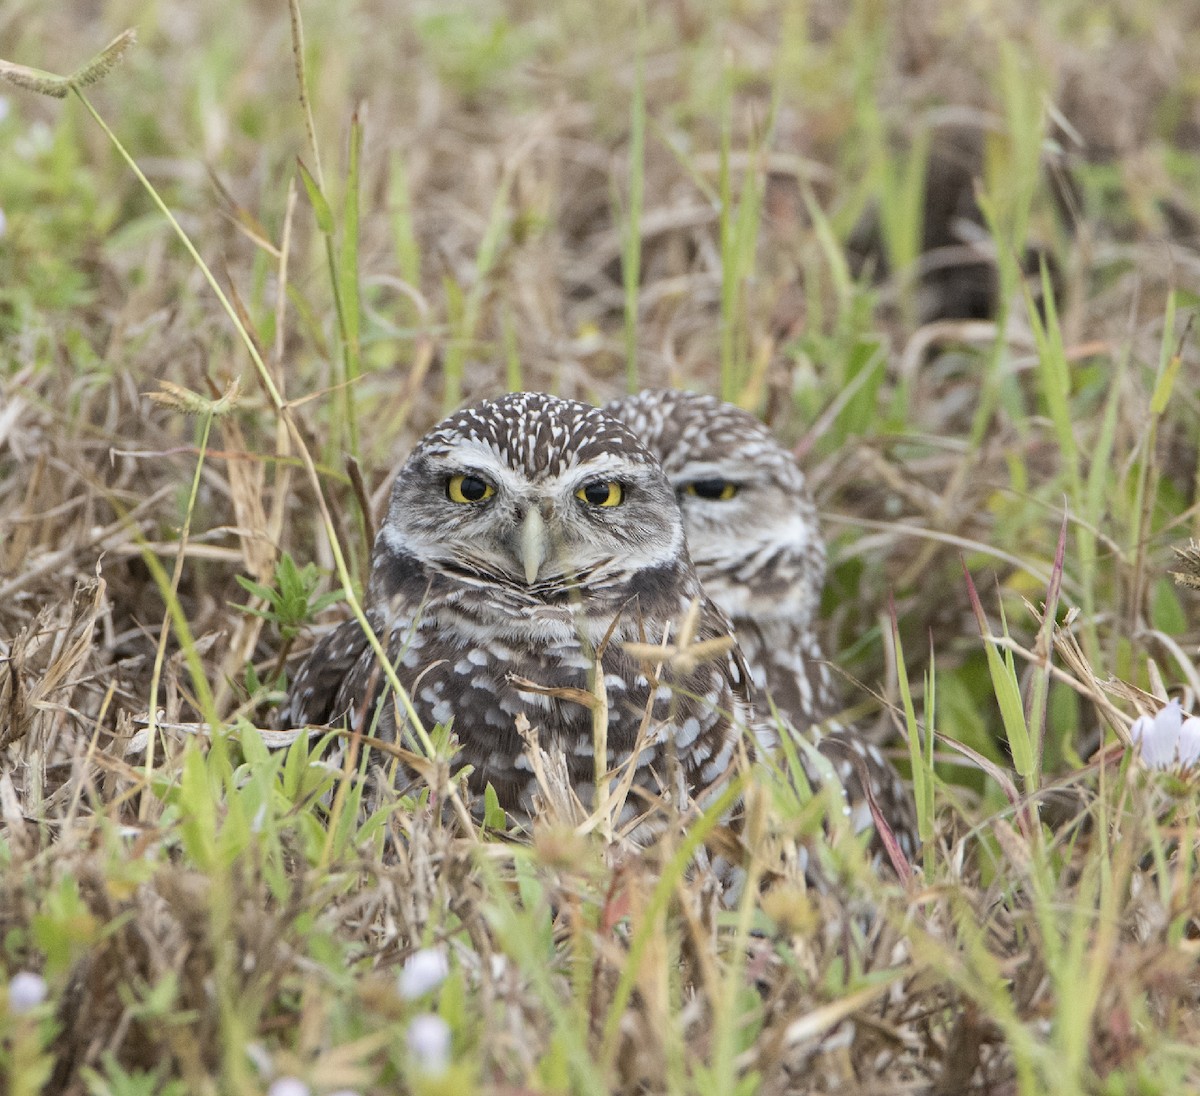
221, 920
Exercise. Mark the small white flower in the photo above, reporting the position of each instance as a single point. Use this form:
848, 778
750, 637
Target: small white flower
1189, 742
288, 1086
1167, 739
25, 992
429, 1043
4, 108
423, 971
3, 224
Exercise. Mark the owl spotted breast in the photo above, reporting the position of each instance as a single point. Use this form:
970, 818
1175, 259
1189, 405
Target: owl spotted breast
753, 535
527, 540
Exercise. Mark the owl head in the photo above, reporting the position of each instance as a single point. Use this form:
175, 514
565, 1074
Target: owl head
541, 497
751, 525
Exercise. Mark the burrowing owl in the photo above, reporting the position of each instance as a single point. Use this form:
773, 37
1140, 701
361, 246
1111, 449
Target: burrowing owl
753, 535
527, 541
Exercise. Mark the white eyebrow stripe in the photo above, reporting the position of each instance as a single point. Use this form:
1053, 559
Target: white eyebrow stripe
698, 470
477, 458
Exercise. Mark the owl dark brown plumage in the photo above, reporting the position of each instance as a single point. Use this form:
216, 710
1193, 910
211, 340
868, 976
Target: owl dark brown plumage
525, 536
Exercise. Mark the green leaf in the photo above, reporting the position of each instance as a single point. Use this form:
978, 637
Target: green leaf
494, 817
65, 927
317, 199
198, 812
290, 603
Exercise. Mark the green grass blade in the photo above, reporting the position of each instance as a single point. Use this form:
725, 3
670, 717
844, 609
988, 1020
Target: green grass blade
320, 204
1007, 689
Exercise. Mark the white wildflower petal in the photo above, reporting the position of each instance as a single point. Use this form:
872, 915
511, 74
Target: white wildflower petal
1159, 736
25, 992
288, 1086
1189, 742
1144, 740
429, 1043
1140, 726
422, 972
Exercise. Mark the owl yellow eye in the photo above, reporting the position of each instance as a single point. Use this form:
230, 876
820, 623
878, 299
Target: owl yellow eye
601, 493
714, 489
468, 488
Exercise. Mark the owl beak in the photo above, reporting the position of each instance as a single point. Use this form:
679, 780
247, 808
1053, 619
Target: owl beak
533, 543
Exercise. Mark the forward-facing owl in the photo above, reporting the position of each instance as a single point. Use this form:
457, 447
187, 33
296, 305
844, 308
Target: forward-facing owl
527, 542
754, 538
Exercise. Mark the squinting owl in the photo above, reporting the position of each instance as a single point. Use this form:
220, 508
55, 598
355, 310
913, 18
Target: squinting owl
528, 540
754, 539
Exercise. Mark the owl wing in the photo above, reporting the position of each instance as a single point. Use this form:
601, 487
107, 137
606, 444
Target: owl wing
323, 689
705, 713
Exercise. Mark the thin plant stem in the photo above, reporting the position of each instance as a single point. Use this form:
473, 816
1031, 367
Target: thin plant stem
284, 411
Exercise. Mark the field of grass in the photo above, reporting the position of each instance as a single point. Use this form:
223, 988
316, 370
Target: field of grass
950, 252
